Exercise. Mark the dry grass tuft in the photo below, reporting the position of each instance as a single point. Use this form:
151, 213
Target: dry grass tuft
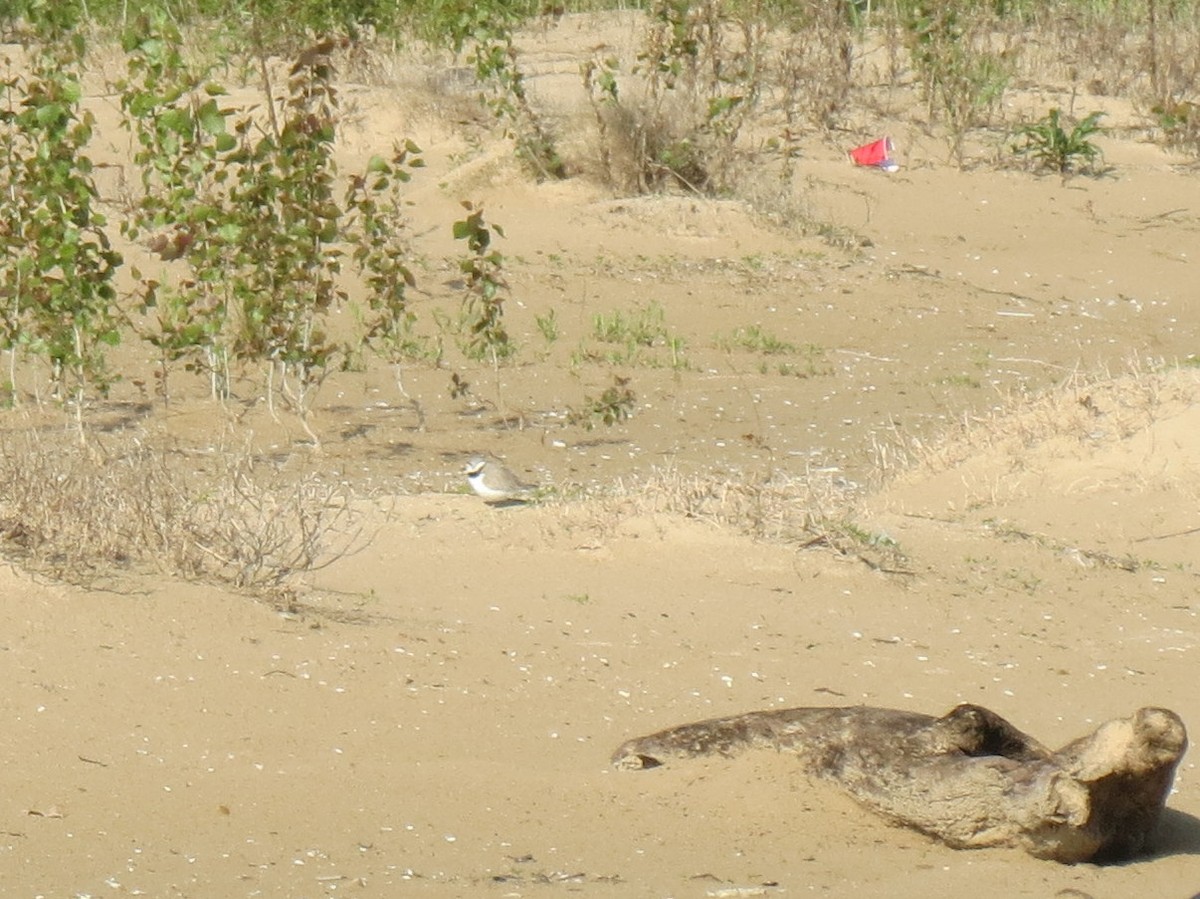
817, 510
80, 514
1088, 410
775, 508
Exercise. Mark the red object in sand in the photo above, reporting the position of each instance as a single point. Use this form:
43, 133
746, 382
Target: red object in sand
877, 153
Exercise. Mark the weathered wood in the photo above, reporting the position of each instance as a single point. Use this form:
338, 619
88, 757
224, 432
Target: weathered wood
969, 778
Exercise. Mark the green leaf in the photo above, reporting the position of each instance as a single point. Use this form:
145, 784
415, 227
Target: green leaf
141, 104
212, 120
177, 120
50, 114
152, 48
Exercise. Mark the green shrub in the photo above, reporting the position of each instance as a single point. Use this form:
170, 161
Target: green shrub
615, 405
486, 287
963, 78
56, 264
1053, 147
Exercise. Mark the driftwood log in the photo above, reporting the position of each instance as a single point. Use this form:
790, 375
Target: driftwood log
968, 778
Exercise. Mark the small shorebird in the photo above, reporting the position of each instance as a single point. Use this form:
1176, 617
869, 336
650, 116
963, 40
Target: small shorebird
495, 483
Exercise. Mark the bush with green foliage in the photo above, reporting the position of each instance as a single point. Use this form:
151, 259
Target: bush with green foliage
486, 287
252, 207
57, 267
487, 31
963, 78
183, 147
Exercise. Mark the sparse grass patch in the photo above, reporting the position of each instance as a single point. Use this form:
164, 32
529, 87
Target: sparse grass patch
634, 338
813, 511
786, 369
775, 354
1091, 410
1068, 551
839, 237
754, 339
961, 380
643, 326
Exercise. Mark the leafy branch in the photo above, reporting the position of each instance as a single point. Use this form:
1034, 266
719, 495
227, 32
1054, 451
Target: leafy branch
56, 264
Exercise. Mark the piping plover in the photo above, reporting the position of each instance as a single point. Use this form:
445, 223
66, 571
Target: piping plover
495, 483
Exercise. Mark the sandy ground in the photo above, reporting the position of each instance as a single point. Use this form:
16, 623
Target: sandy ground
436, 713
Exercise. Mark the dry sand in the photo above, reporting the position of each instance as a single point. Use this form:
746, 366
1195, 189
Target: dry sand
435, 714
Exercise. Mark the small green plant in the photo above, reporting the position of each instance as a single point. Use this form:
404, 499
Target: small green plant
677, 347
754, 339
800, 361
862, 536
548, 325
600, 82
486, 287
1051, 146
613, 406
459, 388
